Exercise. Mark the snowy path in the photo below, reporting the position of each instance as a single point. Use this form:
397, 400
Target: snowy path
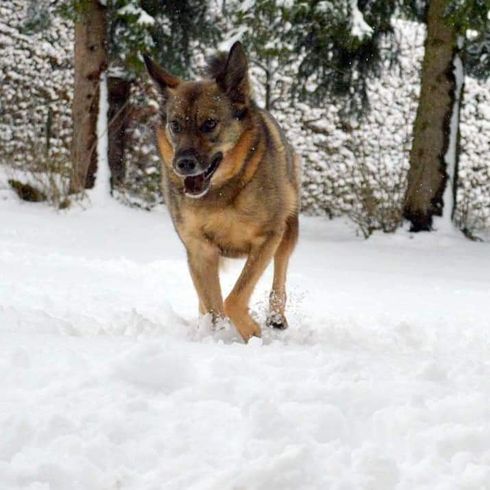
381, 382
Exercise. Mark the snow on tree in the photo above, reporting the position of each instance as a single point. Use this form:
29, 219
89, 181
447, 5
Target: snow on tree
36, 90
91, 61
173, 33
432, 178
339, 46
262, 26
350, 167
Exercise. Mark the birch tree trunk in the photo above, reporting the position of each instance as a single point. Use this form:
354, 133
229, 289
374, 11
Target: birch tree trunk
427, 176
90, 62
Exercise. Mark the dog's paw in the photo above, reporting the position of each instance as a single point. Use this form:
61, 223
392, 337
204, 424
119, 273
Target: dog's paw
248, 330
243, 322
277, 321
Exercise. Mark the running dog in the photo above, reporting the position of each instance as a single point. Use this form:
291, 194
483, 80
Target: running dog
231, 183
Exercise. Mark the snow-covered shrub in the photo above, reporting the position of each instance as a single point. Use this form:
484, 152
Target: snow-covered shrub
357, 167
142, 183
350, 167
36, 84
473, 196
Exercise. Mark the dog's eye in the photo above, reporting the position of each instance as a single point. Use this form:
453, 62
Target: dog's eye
209, 125
175, 126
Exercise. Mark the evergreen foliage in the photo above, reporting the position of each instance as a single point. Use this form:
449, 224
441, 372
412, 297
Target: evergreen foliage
265, 30
169, 31
36, 84
344, 43
37, 17
472, 17
332, 57
339, 43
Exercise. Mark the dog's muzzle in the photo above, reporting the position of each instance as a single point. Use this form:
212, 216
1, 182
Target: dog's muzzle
196, 181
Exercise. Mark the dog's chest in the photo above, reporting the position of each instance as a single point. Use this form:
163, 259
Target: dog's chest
232, 231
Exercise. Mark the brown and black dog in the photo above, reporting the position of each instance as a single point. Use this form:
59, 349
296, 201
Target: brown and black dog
231, 183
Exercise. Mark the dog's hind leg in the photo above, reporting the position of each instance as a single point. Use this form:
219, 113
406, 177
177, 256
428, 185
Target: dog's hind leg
236, 304
277, 299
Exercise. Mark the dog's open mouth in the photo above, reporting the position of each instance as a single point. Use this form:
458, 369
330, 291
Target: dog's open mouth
198, 185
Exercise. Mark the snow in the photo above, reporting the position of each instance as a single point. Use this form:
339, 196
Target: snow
382, 380
451, 153
235, 36
341, 159
359, 28
36, 76
102, 187
143, 18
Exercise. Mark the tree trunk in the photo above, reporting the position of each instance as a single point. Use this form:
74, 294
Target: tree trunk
118, 122
427, 176
90, 62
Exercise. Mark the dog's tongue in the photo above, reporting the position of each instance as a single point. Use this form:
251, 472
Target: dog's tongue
195, 184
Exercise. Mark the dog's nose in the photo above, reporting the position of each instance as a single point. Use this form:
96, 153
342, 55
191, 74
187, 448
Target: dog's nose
186, 165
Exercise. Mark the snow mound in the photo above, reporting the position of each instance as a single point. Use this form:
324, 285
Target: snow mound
108, 381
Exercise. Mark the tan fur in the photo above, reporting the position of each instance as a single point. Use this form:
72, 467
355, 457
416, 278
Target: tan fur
234, 158
251, 207
165, 147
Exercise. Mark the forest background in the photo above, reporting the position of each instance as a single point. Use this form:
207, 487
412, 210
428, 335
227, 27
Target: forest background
387, 102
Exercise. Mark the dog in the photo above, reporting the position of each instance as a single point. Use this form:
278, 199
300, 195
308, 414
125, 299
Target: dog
231, 182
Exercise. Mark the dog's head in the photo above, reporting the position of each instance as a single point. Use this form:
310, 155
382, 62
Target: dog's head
203, 121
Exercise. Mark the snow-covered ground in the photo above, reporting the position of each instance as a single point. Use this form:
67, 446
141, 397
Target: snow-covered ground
381, 382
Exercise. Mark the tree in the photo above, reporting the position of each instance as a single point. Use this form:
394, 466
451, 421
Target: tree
113, 33
340, 45
264, 30
432, 177
170, 31
91, 60
340, 48
127, 35
35, 86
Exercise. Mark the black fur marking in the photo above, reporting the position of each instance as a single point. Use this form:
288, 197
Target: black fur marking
277, 322
240, 113
216, 65
231, 73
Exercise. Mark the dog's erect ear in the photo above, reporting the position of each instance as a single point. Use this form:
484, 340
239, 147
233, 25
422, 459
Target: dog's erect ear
233, 80
162, 78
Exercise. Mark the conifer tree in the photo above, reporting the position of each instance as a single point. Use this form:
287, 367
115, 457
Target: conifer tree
264, 30
340, 46
90, 62
118, 31
432, 177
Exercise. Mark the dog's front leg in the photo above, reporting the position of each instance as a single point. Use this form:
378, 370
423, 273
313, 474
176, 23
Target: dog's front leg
236, 304
203, 260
